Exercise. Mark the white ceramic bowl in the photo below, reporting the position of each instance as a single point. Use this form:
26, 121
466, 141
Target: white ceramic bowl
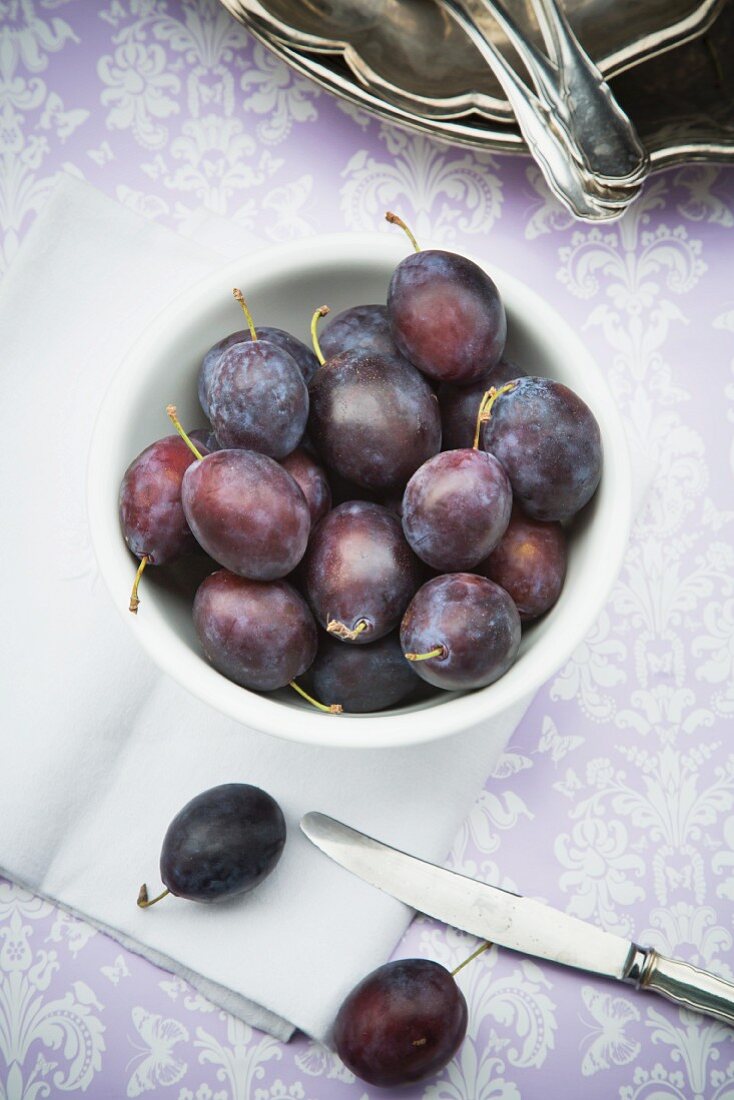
283, 285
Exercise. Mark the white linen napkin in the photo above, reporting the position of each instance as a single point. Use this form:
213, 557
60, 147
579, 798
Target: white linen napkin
99, 749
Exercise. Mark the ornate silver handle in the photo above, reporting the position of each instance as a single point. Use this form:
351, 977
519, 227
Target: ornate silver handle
696, 989
608, 141
600, 134
548, 144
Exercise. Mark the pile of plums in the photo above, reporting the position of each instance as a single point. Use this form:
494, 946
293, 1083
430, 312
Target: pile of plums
386, 511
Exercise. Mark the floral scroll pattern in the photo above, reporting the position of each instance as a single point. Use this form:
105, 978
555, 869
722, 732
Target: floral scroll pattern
615, 800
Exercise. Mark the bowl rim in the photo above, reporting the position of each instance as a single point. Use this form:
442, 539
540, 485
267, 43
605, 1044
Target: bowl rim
459, 712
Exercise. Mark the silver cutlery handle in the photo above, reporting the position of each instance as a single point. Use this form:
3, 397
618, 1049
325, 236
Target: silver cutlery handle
696, 989
536, 125
543, 75
607, 138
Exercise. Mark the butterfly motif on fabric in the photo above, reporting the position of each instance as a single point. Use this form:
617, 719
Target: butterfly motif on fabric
552, 742
607, 1044
117, 971
156, 1063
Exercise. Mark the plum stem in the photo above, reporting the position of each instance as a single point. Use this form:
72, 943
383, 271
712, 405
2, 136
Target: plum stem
134, 601
395, 220
486, 404
171, 410
479, 951
334, 626
332, 708
318, 314
239, 296
144, 902
438, 651
480, 416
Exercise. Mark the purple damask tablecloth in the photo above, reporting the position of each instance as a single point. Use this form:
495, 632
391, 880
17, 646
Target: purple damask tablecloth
615, 800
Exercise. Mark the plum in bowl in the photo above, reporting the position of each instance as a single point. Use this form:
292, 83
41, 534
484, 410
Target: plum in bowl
284, 284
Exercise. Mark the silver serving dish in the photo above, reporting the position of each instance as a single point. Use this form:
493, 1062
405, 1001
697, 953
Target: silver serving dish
407, 61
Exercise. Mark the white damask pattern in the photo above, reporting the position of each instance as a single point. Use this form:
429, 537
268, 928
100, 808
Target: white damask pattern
607, 1043
441, 193
36, 1021
615, 800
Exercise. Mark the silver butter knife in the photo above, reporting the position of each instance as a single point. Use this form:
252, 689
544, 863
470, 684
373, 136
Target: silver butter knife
518, 923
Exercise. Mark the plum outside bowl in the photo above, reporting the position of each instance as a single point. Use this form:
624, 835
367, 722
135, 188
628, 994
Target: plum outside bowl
283, 285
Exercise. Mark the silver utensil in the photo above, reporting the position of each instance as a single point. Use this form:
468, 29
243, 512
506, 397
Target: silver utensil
518, 923
598, 133
542, 123
605, 136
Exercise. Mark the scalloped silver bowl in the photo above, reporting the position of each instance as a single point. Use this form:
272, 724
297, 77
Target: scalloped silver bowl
403, 60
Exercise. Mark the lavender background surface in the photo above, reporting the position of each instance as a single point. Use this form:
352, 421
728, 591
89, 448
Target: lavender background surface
615, 800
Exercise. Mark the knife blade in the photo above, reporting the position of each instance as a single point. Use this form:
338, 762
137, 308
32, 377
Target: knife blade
518, 923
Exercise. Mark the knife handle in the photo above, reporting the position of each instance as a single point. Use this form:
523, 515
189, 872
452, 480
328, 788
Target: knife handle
696, 989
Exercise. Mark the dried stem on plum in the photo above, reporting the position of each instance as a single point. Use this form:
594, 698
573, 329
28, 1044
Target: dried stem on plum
438, 651
333, 708
341, 630
144, 902
479, 951
480, 416
239, 297
134, 600
171, 411
485, 407
395, 220
318, 314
